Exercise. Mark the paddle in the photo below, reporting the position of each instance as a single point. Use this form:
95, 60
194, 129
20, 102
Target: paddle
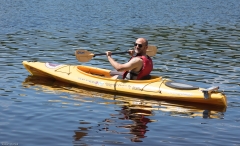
85, 56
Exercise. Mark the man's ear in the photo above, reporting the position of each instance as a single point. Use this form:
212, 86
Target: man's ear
146, 47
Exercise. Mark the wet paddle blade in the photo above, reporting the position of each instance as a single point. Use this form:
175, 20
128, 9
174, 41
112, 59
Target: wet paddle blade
151, 51
83, 55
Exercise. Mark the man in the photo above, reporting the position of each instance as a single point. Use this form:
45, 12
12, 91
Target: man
139, 66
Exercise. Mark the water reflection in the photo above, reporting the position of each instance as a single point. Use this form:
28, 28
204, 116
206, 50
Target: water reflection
140, 117
79, 133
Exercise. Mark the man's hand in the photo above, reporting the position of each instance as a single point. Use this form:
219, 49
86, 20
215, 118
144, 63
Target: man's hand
131, 52
108, 53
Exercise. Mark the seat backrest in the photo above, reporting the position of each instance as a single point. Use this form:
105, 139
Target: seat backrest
147, 77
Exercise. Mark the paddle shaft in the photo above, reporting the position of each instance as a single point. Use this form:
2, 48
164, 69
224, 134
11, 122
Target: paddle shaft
112, 53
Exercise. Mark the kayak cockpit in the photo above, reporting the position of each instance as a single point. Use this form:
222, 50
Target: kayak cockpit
107, 74
94, 71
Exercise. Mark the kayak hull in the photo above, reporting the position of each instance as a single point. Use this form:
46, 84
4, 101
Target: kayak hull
102, 79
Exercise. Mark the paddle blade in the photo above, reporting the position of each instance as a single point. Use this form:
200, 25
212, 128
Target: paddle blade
151, 51
83, 55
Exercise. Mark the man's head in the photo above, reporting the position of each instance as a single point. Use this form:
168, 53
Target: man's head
140, 46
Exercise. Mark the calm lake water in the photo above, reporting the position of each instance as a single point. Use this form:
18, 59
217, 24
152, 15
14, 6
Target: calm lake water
198, 43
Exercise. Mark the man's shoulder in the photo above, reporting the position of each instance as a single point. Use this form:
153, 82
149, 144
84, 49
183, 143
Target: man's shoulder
136, 59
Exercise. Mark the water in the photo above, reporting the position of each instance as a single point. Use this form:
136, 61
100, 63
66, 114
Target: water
198, 42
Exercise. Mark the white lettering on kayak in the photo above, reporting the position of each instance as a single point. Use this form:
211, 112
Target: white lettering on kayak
136, 88
118, 85
98, 83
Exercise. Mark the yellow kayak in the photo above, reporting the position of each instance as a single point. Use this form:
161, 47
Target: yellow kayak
103, 79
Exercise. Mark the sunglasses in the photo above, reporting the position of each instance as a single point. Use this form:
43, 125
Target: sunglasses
140, 45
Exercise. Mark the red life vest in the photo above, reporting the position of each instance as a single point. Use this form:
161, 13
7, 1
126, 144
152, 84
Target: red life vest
146, 68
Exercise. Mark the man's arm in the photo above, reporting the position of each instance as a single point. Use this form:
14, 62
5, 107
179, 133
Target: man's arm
132, 64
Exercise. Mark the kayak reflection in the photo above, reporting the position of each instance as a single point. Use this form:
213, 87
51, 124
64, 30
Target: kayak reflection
139, 110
